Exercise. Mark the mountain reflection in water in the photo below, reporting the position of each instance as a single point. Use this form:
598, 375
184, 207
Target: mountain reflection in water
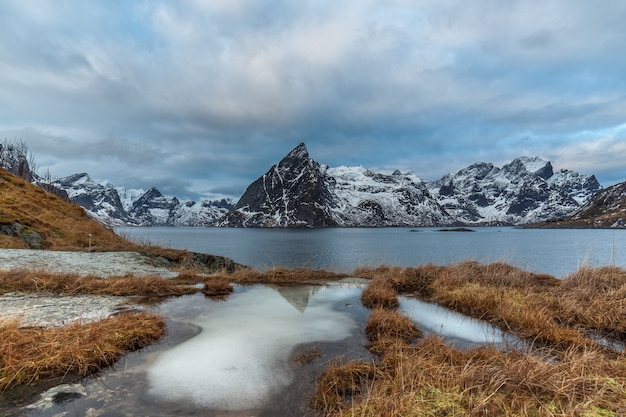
234, 357
238, 361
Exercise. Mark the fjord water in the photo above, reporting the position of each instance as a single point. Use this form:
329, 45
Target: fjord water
558, 252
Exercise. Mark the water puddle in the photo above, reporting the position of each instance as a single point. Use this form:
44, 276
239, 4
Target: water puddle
462, 331
227, 358
236, 357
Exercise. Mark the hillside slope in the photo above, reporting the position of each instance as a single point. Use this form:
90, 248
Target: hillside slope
32, 218
607, 209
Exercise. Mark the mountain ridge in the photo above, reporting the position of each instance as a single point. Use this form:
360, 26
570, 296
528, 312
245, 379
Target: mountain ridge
524, 191
606, 209
138, 207
298, 191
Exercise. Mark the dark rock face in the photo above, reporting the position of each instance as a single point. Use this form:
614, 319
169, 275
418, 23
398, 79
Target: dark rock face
207, 263
299, 192
30, 238
292, 193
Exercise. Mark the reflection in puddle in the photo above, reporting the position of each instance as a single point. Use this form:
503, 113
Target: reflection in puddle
235, 357
230, 358
239, 360
464, 331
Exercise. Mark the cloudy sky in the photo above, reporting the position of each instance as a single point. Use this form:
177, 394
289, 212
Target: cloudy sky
200, 97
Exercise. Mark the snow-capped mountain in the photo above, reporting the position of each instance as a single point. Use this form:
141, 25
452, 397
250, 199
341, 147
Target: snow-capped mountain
102, 203
293, 193
299, 192
116, 206
524, 191
367, 198
607, 209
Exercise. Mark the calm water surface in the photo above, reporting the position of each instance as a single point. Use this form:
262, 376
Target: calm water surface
556, 252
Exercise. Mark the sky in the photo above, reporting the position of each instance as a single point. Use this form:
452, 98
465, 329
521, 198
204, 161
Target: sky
200, 98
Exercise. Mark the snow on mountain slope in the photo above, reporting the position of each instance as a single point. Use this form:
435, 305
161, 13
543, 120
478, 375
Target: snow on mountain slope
366, 198
299, 192
523, 191
102, 203
117, 206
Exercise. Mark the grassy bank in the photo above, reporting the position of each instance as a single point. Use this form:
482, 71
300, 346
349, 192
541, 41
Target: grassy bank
565, 372
25, 281
61, 354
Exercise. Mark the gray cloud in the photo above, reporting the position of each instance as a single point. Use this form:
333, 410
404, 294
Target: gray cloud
202, 97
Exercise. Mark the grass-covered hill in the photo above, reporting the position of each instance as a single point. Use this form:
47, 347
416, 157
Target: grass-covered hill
33, 218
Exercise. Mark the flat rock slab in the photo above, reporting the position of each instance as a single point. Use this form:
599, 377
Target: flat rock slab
100, 264
49, 310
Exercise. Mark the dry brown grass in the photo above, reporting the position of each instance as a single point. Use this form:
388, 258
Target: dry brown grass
594, 298
309, 356
571, 375
434, 379
217, 288
536, 307
386, 324
380, 293
78, 349
281, 276
63, 225
340, 383
71, 284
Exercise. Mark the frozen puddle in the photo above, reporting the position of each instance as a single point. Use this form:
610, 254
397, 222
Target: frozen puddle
463, 330
240, 359
101, 264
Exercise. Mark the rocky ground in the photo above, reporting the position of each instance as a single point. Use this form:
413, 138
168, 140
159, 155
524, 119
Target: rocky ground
55, 310
101, 264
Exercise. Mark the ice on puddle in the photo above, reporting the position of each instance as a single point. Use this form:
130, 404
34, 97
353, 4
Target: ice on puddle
239, 360
434, 318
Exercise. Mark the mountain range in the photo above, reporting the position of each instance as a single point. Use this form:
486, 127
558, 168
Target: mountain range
117, 206
300, 192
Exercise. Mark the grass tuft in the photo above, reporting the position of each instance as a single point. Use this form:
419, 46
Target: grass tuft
380, 293
72, 284
385, 324
339, 383
79, 349
217, 288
